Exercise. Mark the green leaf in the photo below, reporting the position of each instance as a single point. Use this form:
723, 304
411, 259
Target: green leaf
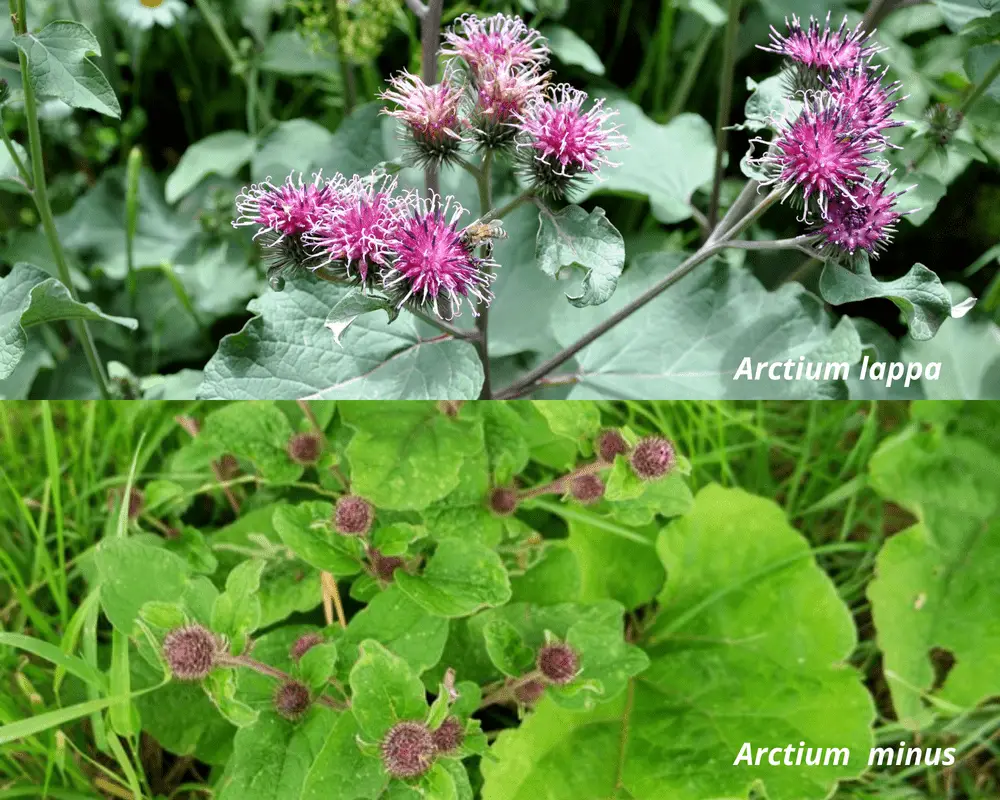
407, 455
460, 578
133, 574
315, 758
236, 613
554, 578
307, 531
396, 621
691, 340
58, 67
685, 161
224, 154
28, 297
749, 629
934, 577
286, 352
384, 691
506, 648
506, 447
318, 665
958, 13
571, 50
10, 178
257, 431
352, 306
290, 53
572, 238
768, 103
573, 419
919, 294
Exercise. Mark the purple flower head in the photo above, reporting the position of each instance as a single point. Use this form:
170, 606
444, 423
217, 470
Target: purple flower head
822, 49
435, 267
867, 224
503, 96
495, 41
867, 103
356, 231
820, 153
429, 114
564, 141
286, 210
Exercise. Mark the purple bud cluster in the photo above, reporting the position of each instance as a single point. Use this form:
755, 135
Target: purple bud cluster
827, 157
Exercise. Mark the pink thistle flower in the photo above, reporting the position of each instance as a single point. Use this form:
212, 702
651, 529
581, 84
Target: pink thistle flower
503, 96
495, 41
819, 153
866, 102
289, 209
355, 232
822, 50
564, 141
429, 114
434, 265
868, 224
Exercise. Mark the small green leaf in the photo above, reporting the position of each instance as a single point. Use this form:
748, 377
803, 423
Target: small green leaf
572, 238
623, 483
574, 419
506, 648
919, 294
28, 297
318, 665
220, 686
224, 154
236, 613
10, 177
306, 530
384, 691
58, 67
394, 540
569, 48
460, 578
352, 306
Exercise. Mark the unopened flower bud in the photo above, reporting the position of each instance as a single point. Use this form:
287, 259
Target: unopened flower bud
136, 501
305, 448
611, 443
587, 489
384, 566
407, 750
449, 736
229, 467
529, 693
652, 458
558, 662
190, 652
503, 501
353, 516
291, 699
303, 645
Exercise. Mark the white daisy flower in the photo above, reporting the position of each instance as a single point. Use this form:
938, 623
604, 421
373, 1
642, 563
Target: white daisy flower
144, 14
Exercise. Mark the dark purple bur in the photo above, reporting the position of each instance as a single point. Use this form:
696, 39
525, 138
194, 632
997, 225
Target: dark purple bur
449, 736
558, 662
407, 750
652, 458
190, 652
353, 516
291, 699
503, 501
587, 488
305, 448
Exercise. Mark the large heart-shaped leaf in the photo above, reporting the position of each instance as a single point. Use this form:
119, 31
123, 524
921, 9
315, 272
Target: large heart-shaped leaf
572, 238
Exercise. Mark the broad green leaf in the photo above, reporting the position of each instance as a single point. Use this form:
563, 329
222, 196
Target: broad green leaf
750, 631
317, 757
384, 691
291, 147
573, 419
574, 239
506, 447
352, 306
936, 576
554, 578
613, 567
318, 665
132, 574
307, 531
769, 104
919, 294
460, 578
28, 297
286, 352
59, 67
718, 316
685, 161
224, 153
397, 622
407, 455
257, 431
880, 345
958, 13
571, 50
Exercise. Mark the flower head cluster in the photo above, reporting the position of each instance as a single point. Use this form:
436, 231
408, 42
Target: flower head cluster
363, 231
826, 156
495, 96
